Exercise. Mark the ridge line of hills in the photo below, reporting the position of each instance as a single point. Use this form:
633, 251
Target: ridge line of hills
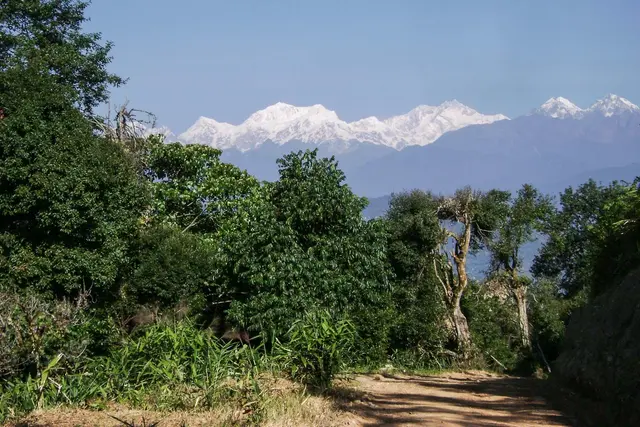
283, 123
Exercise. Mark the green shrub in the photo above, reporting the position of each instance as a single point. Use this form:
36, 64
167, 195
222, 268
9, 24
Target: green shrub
316, 348
494, 328
171, 266
372, 325
35, 329
549, 312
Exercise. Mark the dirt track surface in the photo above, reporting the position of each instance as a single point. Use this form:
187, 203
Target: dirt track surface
454, 399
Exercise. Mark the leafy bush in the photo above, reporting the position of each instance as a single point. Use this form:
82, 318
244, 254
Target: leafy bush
550, 312
373, 328
494, 328
316, 348
413, 235
34, 330
297, 243
172, 266
70, 201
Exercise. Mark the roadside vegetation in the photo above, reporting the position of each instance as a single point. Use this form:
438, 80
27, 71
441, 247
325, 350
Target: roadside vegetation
155, 276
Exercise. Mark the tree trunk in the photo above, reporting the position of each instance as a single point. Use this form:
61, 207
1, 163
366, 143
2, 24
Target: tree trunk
520, 295
463, 336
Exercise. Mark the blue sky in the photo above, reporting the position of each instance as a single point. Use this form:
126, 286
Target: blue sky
227, 59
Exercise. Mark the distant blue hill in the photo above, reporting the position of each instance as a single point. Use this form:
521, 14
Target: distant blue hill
539, 150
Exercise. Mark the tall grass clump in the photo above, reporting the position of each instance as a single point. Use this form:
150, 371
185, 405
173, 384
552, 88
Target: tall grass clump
316, 348
168, 367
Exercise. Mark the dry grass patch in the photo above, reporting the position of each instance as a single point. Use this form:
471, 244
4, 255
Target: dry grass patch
282, 403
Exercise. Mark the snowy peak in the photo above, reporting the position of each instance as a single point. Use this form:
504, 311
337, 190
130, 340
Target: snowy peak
209, 129
559, 108
613, 105
282, 113
610, 105
424, 124
281, 123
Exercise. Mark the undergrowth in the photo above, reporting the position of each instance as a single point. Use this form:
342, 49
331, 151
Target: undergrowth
168, 367
176, 366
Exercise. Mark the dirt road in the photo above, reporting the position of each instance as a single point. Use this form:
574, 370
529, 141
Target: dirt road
454, 399
474, 399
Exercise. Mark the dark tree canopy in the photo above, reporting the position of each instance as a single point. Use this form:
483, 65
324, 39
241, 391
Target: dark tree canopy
49, 32
414, 236
69, 200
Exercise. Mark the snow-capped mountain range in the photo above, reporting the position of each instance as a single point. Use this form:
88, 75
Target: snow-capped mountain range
562, 108
281, 123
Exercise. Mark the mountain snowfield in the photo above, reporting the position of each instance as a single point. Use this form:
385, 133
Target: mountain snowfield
282, 123
562, 108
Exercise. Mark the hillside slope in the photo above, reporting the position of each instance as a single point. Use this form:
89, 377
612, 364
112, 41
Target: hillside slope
601, 356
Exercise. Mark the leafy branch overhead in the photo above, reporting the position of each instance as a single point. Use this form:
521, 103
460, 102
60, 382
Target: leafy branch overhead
192, 188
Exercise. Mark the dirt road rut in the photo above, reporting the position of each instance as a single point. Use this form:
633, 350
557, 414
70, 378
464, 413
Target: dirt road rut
455, 399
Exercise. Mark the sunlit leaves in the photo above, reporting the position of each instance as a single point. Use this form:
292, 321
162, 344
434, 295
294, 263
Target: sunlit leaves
297, 243
578, 231
192, 188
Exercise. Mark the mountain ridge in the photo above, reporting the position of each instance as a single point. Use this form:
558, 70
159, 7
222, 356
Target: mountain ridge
283, 123
562, 108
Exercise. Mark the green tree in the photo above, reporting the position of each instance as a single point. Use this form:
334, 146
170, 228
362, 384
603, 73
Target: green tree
50, 32
192, 189
302, 243
414, 236
577, 232
525, 216
470, 218
171, 266
619, 234
69, 201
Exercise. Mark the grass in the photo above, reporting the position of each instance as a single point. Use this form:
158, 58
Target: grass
178, 374
169, 367
283, 403
170, 370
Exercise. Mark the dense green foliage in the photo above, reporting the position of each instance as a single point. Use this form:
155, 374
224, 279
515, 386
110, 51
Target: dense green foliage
192, 189
577, 232
119, 257
169, 366
518, 224
299, 244
414, 233
316, 347
170, 267
49, 33
69, 201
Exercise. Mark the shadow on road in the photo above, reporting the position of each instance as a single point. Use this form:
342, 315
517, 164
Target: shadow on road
457, 400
